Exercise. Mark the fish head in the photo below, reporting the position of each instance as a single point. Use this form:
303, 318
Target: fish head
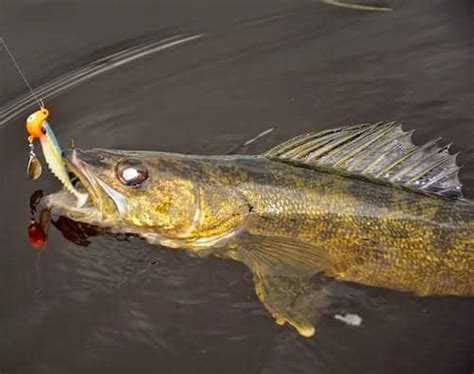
134, 192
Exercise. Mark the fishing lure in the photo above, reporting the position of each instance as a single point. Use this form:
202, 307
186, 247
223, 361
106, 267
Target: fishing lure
38, 127
33, 127
36, 235
38, 228
34, 168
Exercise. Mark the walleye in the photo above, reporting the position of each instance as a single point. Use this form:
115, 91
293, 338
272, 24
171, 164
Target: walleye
359, 203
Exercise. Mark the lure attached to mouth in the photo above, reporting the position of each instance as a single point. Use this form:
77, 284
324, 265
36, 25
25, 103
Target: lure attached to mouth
38, 128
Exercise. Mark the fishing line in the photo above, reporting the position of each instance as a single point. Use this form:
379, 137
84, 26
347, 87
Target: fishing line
38, 292
15, 63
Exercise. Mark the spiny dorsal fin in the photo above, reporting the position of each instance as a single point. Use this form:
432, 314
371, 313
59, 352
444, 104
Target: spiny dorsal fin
381, 152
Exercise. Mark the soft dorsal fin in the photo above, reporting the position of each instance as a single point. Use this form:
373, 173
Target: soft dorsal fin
380, 152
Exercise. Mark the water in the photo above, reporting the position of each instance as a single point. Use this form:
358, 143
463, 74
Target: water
121, 306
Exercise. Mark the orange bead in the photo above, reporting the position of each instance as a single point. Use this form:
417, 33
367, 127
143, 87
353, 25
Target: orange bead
35, 121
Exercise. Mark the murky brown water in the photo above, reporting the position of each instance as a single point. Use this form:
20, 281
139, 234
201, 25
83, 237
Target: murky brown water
126, 306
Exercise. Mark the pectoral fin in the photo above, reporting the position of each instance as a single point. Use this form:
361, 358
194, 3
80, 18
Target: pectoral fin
280, 256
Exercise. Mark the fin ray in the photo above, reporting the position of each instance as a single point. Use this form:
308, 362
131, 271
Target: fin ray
380, 152
281, 256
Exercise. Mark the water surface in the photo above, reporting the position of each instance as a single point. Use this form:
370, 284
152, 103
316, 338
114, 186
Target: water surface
123, 306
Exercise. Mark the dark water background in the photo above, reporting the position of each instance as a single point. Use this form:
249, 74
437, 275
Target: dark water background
126, 306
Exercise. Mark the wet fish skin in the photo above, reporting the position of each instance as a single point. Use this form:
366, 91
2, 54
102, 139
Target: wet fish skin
372, 234
325, 203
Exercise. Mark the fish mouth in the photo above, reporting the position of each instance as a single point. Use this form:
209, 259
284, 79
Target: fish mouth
103, 201
82, 180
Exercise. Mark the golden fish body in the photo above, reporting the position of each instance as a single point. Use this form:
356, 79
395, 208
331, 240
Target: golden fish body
371, 234
359, 204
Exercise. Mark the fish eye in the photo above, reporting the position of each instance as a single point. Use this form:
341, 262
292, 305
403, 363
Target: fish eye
131, 172
31, 117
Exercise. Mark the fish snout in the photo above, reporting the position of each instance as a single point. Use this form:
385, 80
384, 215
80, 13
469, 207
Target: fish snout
89, 158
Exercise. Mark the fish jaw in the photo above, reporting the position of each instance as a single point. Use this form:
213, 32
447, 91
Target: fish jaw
89, 202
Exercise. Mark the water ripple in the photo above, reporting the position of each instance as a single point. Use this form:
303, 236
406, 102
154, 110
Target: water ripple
91, 70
